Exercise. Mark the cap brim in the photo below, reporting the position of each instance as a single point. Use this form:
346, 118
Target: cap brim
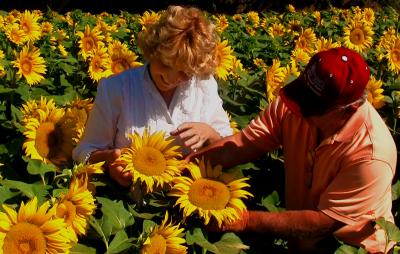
301, 100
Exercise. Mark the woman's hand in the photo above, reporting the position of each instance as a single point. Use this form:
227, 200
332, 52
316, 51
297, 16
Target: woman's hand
116, 171
195, 135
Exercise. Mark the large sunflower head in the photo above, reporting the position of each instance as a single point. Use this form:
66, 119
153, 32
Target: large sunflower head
306, 40
224, 54
152, 159
76, 206
148, 19
123, 60
393, 56
358, 35
274, 77
29, 24
164, 239
276, 30
89, 41
50, 138
15, 34
210, 193
30, 65
100, 65
375, 92
33, 230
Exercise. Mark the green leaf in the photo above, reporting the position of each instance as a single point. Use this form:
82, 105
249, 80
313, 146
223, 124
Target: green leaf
97, 227
120, 243
6, 194
148, 225
198, 238
396, 190
37, 167
30, 190
271, 202
230, 243
391, 230
347, 249
115, 214
82, 249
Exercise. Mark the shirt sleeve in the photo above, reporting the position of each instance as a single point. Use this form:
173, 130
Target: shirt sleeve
100, 128
265, 131
216, 116
360, 190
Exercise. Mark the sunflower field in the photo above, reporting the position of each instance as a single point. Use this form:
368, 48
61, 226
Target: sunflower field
50, 65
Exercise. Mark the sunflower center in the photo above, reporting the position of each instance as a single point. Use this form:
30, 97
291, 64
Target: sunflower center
119, 65
48, 137
88, 44
26, 27
66, 210
150, 161
158, 245
24, 238
26, 66
395, 55
209, 194
357, 36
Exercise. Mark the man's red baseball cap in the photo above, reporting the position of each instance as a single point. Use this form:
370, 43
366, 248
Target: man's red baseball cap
332, 78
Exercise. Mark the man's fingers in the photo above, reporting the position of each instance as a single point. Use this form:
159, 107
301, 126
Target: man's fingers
123, 178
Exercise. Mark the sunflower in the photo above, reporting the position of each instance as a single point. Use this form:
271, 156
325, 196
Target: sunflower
317, 16
164, 239
290, 73
237, 17
221, 23
78, 110
294, 27
387, 39
306, 40
15, 34
50, 137
148, 19
152, 159
210, 193
30, 108
291, 8
123, 60
33, 230
274, 77
259, 63
323, 44
369, 16
358, 36
276, 30
100, 65
299, 57
46, 27
30, 65
89, 41
224, 54
237, 67
89, 169
254, 19
234, 125
62, 50
393, 56
375, 92
76, 206
29, 24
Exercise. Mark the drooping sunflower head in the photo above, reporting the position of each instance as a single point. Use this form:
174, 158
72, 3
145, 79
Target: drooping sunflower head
152, 158
30, 108
49, 138
210, 193
30, 65
375, 92
358, 35
224, 55
76, 206
33, 230
165, 239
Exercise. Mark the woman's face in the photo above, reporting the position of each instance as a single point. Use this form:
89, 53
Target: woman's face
166, 78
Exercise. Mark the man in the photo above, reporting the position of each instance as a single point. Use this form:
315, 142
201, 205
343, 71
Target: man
340, 158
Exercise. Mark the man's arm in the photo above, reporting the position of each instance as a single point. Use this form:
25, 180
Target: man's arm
288, 224
229, 151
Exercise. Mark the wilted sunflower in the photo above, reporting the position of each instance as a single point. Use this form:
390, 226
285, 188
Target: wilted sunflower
224, 54
375, 93
165, 239
76, 206
152, 159
210, 193
358, 36
99, 66
29, 24
274, 78
30, 65
30, 108
306, 40
393, 56
148, 19
89, 41
33, 230
50, 137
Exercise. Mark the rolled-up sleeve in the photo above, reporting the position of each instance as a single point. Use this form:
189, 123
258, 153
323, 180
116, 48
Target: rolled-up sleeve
101, 125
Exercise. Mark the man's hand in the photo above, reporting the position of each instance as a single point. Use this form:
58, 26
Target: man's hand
116, 171
195, 135
236, 226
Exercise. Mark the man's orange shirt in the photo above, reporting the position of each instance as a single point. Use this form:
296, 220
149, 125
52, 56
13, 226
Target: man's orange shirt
347, 176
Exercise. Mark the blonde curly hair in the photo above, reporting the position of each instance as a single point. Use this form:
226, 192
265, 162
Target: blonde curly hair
183, 38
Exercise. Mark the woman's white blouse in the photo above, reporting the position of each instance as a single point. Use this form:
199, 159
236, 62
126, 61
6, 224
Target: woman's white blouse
130, 102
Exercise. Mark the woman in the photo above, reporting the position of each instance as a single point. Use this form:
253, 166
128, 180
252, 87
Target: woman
174, 92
